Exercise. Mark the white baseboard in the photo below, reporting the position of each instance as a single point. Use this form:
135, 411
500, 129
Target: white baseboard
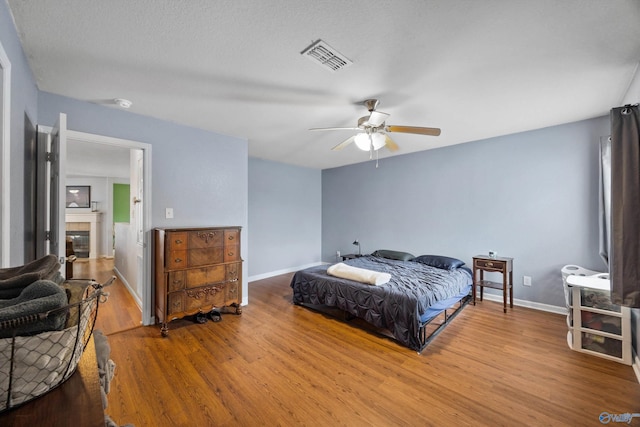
529, 304
128, 286
279, 272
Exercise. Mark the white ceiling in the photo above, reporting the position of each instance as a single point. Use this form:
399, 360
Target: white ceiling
476, 69
98, 160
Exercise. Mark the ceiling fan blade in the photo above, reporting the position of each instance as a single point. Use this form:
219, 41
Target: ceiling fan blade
413, 129
344, 143
390, 143
314, 129
376, 118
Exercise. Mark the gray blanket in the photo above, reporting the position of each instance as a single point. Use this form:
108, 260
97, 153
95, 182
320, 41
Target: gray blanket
396, 306
39, 297
14, 279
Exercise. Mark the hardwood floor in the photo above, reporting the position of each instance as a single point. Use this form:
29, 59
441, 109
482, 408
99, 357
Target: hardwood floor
120, 312
281, 364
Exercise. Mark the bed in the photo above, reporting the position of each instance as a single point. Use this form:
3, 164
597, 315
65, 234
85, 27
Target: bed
418, 291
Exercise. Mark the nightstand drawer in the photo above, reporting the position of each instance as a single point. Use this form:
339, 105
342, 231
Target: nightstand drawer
493, 265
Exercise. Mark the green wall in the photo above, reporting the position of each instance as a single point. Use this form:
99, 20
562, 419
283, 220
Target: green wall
121, 203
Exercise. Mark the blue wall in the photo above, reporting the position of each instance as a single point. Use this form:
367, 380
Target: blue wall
531, 196
285, 217
24, 99
201, 175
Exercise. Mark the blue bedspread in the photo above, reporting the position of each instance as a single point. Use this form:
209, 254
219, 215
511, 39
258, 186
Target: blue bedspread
397, 306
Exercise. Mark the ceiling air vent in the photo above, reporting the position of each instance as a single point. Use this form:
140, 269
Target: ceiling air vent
323, 54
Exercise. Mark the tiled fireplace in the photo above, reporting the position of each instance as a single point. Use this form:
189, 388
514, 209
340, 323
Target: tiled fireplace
83, 229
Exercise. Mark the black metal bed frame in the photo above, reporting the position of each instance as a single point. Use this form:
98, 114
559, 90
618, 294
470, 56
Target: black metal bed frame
424, 337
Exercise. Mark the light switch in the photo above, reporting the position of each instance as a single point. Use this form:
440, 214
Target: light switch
168, 213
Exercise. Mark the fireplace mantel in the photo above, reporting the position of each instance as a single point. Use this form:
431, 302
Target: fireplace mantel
93, 218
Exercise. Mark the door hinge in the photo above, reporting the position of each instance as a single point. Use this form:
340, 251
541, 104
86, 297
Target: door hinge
48, 157
47, 235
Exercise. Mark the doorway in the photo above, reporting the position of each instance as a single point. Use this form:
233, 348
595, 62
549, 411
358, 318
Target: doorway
124, 242
135, 158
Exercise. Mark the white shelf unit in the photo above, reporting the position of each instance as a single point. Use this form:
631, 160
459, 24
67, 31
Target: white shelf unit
596, 325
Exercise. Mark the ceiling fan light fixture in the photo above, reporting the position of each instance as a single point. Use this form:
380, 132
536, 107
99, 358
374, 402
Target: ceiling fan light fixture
364, 141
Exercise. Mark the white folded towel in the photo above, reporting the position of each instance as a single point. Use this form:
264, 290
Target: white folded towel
363, 275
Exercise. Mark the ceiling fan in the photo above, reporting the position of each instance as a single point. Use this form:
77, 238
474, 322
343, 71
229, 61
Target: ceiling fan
373, 133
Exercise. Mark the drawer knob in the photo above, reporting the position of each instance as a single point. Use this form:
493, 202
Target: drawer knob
178, 241
489, 264
177, 260
231, 237
230, 254
175, 282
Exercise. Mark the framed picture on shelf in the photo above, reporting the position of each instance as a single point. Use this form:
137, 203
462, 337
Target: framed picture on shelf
78, 196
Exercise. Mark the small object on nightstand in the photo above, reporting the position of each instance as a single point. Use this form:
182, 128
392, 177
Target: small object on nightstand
482, 263
350, 256
357, 243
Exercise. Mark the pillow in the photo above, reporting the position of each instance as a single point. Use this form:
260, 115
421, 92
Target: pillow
401, 256
357, 274
439, 261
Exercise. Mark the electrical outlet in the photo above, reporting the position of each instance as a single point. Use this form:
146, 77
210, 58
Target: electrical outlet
526, 280
168, 213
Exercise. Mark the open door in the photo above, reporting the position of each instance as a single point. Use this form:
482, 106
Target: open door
55, 190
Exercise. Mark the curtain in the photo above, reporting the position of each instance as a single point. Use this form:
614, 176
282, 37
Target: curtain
605, 198
624, 258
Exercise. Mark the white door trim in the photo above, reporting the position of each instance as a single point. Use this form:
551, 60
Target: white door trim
5, 138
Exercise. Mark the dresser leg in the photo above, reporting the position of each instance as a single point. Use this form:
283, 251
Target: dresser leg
237, 307
164, 330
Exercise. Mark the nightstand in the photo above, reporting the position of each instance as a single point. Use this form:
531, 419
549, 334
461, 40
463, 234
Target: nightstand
350, 256
482, 263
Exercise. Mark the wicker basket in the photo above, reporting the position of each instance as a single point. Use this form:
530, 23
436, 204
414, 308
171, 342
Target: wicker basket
30, 366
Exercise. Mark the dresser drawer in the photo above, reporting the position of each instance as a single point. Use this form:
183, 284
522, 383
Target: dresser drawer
231, 253
233, 272
204, 297
231, 292
197, 277
493, 265
231, 237
176, 260
175, 301
198, 257
176, 241
176, 281
206, 239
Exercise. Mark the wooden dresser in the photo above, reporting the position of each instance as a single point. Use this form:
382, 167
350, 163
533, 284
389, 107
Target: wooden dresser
197, 272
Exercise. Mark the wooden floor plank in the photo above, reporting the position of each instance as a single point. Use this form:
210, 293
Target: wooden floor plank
282, 364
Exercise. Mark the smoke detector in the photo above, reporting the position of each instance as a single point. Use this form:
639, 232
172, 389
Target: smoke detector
123, 103
329, 58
